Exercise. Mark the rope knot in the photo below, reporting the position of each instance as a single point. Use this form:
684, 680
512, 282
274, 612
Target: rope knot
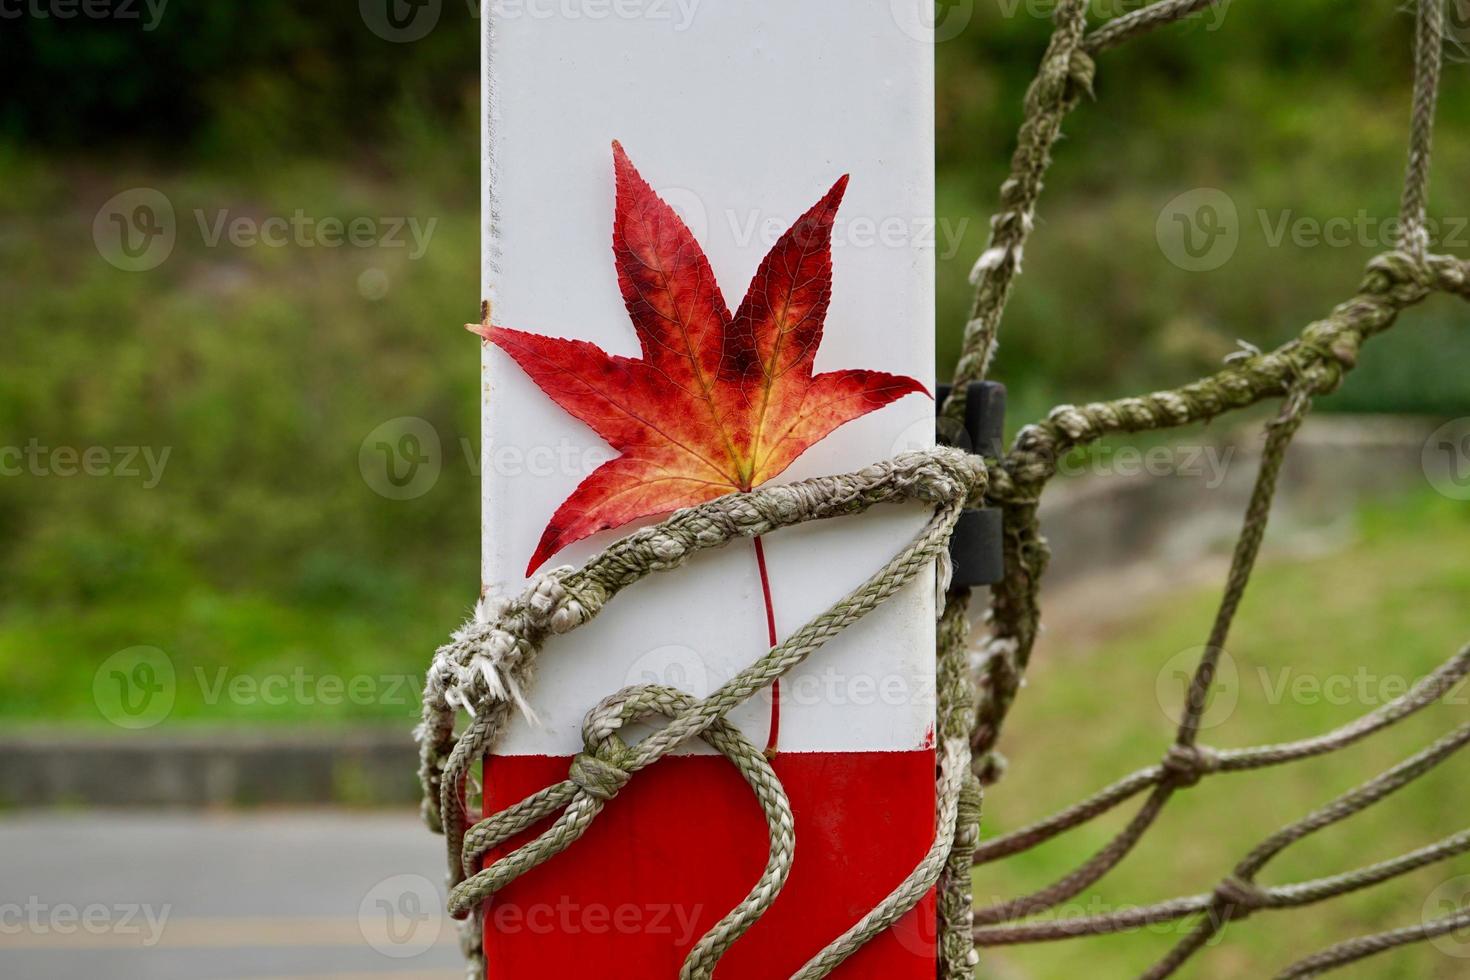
1186, 765
545, 595
597, 777
1237, 898
1081, 71
1388, 271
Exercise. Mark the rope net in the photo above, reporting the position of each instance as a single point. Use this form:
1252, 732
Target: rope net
483, 672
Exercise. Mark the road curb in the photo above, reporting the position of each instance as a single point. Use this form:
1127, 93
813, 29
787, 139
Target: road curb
233, 767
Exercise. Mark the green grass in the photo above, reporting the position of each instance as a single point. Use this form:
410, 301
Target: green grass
261, 548
237, 658
1317, 643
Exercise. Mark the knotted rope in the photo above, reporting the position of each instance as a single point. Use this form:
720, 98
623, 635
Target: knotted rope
488, 666
1312, 365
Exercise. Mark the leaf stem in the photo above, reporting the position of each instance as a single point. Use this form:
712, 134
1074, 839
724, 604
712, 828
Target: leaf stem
760, 563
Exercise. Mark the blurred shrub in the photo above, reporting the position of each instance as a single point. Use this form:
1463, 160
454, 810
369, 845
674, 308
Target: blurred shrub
226, 75
1297, 111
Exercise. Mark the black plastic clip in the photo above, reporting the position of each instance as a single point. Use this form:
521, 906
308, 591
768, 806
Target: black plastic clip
976, 548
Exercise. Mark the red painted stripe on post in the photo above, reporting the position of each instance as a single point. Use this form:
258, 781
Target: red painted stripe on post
683, 843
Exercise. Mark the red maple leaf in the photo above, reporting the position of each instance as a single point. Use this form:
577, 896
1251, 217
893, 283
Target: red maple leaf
717, 403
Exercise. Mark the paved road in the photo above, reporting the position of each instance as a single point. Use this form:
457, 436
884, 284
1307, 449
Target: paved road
221, 897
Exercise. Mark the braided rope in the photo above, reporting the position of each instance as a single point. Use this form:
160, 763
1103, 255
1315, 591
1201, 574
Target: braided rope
1319, 359
609, 764
1428, 58
488, 664
1354, 950
1065, 76
1314, 364
1209, 761
1141, 21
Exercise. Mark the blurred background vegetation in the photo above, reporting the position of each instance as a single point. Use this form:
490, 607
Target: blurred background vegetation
263, 370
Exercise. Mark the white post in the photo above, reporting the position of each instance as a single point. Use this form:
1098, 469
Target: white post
740, 115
